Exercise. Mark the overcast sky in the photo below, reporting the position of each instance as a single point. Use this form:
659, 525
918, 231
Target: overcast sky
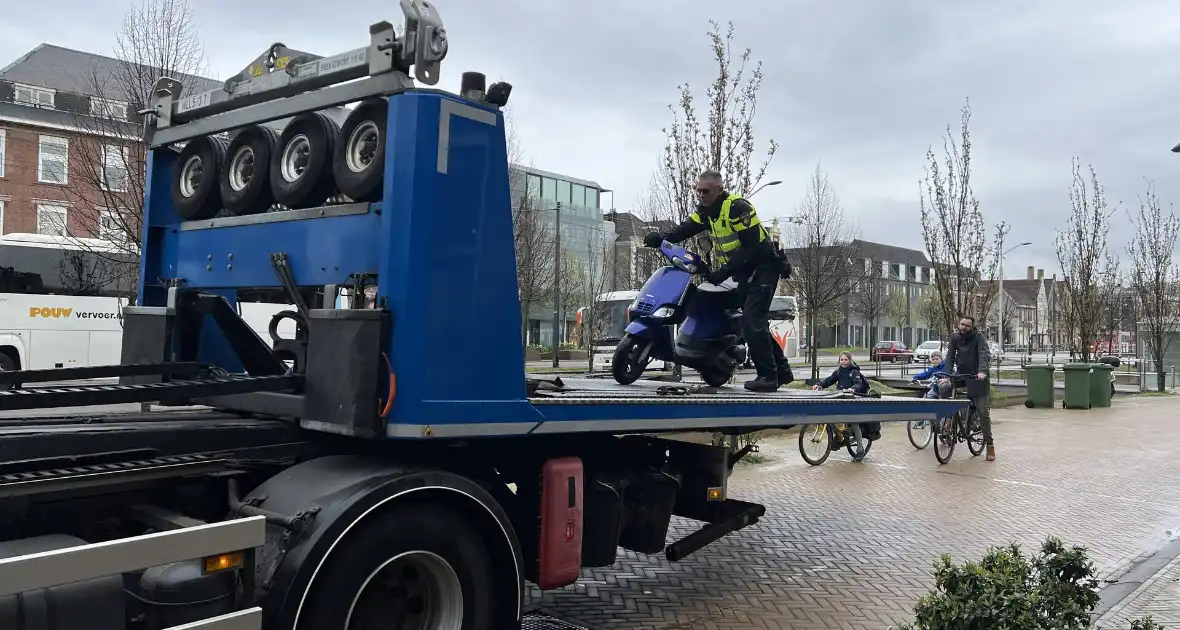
863, 87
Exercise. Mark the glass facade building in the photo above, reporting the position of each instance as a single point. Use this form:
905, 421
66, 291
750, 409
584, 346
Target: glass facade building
587, 240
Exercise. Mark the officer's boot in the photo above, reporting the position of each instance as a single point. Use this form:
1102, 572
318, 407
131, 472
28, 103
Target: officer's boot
785, 376
763, 384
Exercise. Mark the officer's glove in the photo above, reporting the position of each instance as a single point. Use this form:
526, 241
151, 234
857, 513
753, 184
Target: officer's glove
653, 240
719, 276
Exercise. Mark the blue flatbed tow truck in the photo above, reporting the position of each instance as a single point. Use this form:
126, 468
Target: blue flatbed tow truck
368, 471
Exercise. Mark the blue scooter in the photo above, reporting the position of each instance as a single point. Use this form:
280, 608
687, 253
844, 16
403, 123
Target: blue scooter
709, 339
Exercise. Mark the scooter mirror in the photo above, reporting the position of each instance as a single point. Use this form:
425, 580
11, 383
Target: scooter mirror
704, 245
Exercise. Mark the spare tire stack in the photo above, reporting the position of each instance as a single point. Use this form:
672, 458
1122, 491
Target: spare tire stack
312, 161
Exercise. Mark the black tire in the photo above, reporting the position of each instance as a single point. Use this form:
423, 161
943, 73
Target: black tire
8, 364
856, 443
909, 429
358, 161
245, 172
196, 194
805, 433
307, 144
975, 442
945, 437
435, 529
623, 366
715, 377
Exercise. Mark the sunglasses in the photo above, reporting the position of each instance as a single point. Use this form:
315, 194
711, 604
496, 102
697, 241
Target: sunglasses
704, 191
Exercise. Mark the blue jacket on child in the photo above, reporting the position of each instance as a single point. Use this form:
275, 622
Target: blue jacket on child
931, 371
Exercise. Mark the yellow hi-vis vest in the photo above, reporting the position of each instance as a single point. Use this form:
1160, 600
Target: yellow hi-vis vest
724, 231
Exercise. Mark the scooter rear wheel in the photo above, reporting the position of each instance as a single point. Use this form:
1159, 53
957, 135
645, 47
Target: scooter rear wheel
625, 365
716, 378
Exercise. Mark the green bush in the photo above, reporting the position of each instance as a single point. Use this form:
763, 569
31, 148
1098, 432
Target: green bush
1055, 590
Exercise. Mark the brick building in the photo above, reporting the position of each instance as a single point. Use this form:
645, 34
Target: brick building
66, 152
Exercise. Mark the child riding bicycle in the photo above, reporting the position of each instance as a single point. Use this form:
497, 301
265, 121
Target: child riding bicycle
937, 365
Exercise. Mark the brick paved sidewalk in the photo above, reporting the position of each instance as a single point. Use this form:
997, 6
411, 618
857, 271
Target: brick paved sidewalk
1158, 596
850, 546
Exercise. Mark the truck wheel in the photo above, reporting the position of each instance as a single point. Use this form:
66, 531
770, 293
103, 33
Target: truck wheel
359, 161
195, 193
301, 165
421, 566
244, 181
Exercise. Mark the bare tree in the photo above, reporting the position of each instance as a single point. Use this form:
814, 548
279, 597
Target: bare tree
83, 274
929, 311
533, 236
1155, 277
870, 300
820, 243
584, 282
157, 38
1081, 248
1110, 297
721, 137
953, 226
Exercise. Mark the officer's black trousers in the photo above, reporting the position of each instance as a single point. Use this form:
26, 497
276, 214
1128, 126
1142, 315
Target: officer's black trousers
764, 350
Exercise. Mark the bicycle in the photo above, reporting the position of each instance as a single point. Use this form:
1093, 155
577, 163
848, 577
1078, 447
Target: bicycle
831, 437
955, 428
916, 428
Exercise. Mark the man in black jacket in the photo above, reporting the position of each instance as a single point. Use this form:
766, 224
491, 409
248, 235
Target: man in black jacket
744, 251
969, 354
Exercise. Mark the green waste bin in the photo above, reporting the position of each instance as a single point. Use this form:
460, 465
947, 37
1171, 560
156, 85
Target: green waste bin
1100, 384
1040, 385
1077, 385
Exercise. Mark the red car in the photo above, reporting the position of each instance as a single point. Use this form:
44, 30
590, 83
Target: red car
891, 351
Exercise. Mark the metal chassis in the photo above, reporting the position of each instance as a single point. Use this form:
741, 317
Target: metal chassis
75, 564
302, 84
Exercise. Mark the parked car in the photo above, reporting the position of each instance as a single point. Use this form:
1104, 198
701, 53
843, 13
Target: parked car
922, 352
890, 351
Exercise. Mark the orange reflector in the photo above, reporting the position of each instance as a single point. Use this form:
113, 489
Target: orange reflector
716, 494
223, 562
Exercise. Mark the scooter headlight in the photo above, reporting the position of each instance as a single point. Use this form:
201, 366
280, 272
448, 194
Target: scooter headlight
664, 312
683, 264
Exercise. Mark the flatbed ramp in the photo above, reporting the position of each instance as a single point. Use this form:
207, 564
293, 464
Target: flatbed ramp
599, 405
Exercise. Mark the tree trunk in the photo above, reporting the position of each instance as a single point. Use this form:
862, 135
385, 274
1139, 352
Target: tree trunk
812, 351
524, 322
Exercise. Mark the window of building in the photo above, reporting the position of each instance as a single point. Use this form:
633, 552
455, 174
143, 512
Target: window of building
1, 216
104, 108
33, 95
533, 186
2, 138
563, 191
53, 160
548, 189
114, 168
51, 219
578, 195
109, 226
592, 198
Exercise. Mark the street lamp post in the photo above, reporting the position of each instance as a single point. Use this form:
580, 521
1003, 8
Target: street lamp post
774, 183
1001, 290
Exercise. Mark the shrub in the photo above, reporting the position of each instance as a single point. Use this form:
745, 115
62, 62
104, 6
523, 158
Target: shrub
1055, 590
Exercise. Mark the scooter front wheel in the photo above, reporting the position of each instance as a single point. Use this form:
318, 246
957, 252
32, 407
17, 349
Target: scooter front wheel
630, 359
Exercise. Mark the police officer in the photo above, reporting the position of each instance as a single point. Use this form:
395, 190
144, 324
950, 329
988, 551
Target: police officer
741, 250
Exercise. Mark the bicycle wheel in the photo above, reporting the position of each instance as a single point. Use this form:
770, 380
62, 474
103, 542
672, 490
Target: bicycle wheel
819, 439
974, 433
920, 432
945, 438
858, 444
